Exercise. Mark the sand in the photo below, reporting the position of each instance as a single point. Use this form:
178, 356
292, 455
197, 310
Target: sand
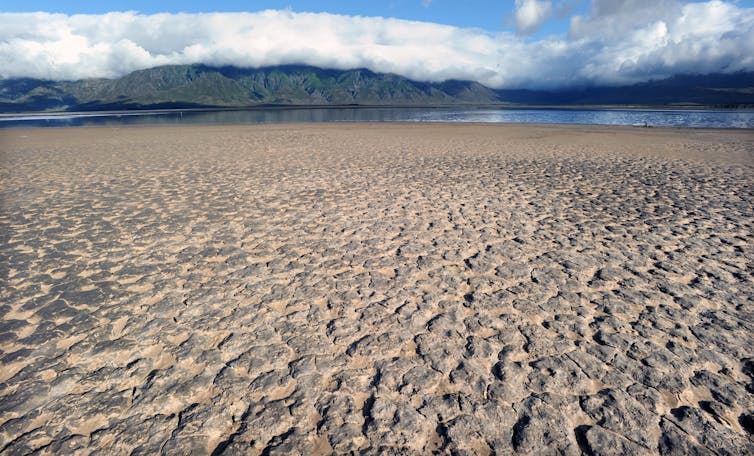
377, 289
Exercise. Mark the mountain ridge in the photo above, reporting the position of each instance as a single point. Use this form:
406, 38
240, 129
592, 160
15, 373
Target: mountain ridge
203, 86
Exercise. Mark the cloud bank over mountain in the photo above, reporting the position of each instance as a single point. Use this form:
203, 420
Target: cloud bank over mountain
615, 42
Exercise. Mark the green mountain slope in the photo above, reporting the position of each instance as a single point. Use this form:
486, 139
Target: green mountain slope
202, 86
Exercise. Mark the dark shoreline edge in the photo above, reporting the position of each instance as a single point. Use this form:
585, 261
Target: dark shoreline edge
576, 126
274, 107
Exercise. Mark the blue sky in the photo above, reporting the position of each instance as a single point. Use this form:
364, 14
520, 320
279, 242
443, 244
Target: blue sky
489, 15
505, 43
485, 14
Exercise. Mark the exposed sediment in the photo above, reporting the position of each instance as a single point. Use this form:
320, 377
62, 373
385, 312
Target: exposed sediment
383, 288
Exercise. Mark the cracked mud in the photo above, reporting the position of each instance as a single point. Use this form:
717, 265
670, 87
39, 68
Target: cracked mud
391, 289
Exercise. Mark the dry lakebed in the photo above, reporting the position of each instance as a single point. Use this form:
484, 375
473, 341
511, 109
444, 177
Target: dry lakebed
377, 289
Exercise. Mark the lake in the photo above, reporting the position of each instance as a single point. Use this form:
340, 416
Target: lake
649, 117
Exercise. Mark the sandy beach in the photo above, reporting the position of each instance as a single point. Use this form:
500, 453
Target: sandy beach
377, 289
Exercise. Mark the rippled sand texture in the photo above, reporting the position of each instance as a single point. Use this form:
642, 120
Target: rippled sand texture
388, 288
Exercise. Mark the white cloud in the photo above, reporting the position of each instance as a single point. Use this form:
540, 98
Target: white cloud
530, 14
613, 19
636, 40
612, 43
426, 3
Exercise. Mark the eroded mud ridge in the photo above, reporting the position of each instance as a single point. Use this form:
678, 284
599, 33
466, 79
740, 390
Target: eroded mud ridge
377, 289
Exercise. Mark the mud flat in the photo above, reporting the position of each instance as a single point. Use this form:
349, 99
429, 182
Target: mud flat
377, 288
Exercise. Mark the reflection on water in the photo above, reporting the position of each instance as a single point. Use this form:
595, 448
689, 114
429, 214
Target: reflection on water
659, 118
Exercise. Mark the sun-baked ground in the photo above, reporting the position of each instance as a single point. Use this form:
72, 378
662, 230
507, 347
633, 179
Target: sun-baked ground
377, 288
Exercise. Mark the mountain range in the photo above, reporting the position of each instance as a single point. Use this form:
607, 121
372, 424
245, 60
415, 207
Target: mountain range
201, 86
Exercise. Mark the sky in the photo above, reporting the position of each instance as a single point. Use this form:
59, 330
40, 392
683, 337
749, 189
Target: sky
503, 44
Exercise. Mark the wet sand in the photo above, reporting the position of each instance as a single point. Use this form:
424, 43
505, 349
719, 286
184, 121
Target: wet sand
377, 288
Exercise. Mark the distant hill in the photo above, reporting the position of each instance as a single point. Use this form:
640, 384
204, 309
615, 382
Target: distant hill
719, 90
200, 86
194, 86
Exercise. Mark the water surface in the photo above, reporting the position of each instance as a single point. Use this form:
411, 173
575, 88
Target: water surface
655, 118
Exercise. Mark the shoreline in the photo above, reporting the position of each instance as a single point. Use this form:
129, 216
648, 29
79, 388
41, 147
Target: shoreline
502, 106
740, 134
294, 124
584, 116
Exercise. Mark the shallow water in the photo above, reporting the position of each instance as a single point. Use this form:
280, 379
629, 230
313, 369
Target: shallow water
656, 118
